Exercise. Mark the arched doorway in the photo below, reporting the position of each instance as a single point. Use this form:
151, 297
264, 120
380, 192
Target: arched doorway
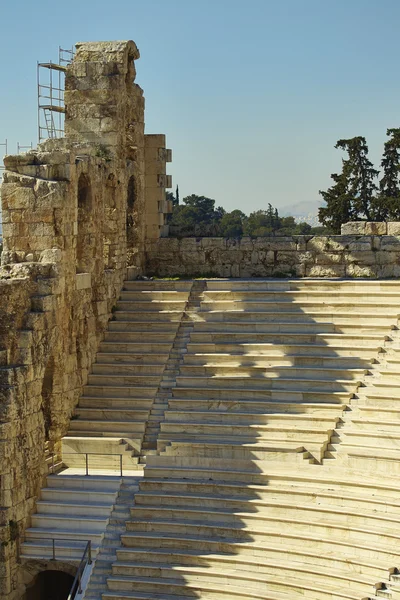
84, 249
47, 391
110, 230
131, 212
50, 585
131, 202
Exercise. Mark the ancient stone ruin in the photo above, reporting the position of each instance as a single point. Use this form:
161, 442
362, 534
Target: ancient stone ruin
77, 213
234, 435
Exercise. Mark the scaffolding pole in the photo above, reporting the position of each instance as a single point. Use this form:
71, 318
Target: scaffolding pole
51, 87
2, 167
24, 148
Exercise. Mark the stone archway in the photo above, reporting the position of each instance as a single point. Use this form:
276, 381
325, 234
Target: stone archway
84, 250
47, 391
50, 585
110, 226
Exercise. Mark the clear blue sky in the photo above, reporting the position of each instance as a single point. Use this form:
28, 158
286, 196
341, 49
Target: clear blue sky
252, 95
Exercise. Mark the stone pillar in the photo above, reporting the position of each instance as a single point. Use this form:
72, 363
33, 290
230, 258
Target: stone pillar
156, 181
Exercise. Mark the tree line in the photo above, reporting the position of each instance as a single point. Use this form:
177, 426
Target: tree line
361, 192
199, 214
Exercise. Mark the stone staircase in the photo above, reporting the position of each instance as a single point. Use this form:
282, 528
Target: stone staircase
118, 401
371, 438
267, 433
172, 366
107, 551
71, 510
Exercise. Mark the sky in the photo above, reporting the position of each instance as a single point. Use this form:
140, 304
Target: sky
251, 95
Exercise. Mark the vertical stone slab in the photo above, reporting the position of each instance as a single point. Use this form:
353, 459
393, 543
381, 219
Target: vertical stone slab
156, 181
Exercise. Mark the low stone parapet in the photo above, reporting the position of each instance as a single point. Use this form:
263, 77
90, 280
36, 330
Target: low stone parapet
358, 255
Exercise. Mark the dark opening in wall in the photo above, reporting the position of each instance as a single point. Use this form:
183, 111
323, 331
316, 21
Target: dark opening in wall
84, 245
47, 391
50, 585
131, 203
110, 228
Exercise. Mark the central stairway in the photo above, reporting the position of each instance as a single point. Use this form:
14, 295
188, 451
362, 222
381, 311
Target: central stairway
110, 420
265, 413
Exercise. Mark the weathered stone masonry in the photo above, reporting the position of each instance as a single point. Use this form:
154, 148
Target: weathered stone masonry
76, 214
376, 256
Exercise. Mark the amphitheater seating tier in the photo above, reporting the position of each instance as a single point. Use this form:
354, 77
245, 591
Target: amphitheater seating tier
275, 432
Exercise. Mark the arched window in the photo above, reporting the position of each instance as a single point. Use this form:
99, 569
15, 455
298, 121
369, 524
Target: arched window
47, 391
131, 203
84, 249
110, 228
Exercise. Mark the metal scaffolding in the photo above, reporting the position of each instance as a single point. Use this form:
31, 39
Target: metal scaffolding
24, 148
3, 153
51, 86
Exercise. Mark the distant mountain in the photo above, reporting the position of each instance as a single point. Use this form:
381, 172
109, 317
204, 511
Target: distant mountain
306, 211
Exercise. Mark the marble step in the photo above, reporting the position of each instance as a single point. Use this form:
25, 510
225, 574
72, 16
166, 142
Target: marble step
130, 358
278, 395
267, 383
127, 369
136, 336
293, 360
333, 348
158, 285
253, 372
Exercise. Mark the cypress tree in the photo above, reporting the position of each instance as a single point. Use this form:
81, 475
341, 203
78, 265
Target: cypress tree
353, 197
388, 203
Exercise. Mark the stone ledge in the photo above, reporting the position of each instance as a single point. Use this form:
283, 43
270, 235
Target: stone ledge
371, 228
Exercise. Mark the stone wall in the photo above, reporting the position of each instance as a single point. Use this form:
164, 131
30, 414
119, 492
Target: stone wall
371, 228
76, 212
300, 256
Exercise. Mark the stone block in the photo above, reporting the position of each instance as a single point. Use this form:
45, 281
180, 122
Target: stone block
353, 228
361, 271
390, 243
375, 228
361, 244
213, 243
361, 257
286, 258
18, 197
386, 258
325, 271
329, 258
190, 244
393, 228
306, 257
83, 281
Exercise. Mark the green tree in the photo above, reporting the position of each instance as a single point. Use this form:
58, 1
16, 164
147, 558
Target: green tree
258, 224
232, 224
388, 201
302, 229
353, 195
263, 222
196, 210
171, 197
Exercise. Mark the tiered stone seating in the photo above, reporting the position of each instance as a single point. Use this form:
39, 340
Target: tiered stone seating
230, 508
112, 413
371, 440
257, 342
